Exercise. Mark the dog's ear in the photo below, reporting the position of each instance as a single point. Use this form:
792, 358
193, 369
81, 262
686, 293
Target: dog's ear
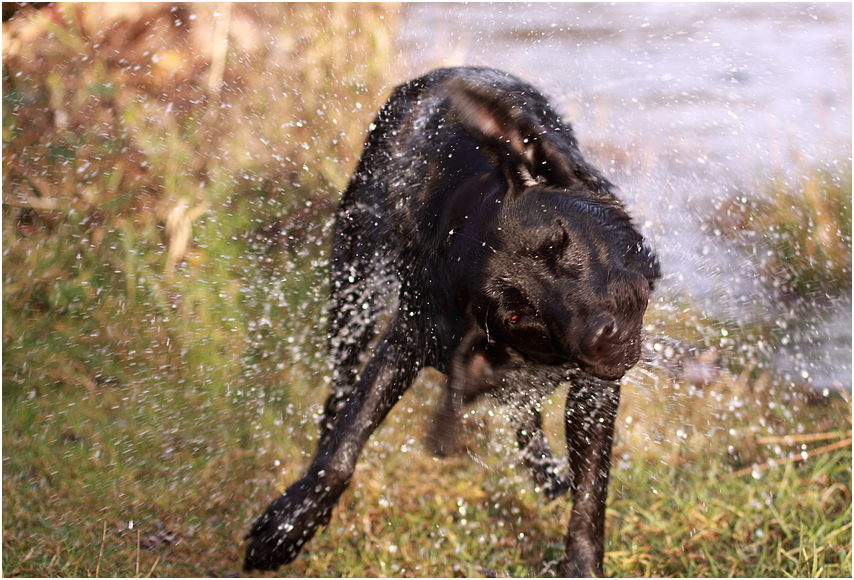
478, 364
652, 268
514, 138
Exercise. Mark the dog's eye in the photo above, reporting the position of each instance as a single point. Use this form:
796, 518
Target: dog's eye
514, 319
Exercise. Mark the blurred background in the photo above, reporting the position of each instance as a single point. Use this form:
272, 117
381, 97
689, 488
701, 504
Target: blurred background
169, 174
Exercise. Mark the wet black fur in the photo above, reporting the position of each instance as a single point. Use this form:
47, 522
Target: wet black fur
514, 269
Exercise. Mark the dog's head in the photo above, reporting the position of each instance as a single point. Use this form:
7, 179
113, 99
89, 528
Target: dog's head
567, 277
569, 280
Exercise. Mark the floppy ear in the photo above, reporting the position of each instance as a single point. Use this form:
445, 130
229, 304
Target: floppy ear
473, 368
515, 138
652, 268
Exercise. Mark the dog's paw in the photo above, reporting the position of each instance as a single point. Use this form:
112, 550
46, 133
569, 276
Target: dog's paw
581, 560
443, 439
556, 486
551, 475
280, 533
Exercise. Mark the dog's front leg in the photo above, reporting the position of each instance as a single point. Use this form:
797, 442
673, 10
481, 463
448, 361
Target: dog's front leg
292, 519
471, 374
591, 409
442, 438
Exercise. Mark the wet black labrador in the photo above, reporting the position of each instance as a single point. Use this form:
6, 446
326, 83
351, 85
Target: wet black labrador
513, 267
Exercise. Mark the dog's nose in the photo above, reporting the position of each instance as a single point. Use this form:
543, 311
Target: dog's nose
602, 337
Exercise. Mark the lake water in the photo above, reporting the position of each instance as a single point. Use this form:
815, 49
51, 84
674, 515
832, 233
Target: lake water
681, 105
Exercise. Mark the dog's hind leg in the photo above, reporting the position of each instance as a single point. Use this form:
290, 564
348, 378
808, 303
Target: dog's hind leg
549, 472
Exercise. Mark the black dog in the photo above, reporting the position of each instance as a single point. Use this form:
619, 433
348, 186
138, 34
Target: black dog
514, 269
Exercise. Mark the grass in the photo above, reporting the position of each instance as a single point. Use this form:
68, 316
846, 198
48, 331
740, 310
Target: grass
745, 477
137, 240
164, 247
90, 478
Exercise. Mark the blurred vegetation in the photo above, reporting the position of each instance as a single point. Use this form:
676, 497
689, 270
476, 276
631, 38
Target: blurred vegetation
800, 232
168, 175
150, 155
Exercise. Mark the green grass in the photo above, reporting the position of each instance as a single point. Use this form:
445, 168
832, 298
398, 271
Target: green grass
163, 370
791, 523
748, 478
90, 475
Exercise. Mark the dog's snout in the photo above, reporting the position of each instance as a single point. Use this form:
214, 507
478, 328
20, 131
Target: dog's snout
602, 337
